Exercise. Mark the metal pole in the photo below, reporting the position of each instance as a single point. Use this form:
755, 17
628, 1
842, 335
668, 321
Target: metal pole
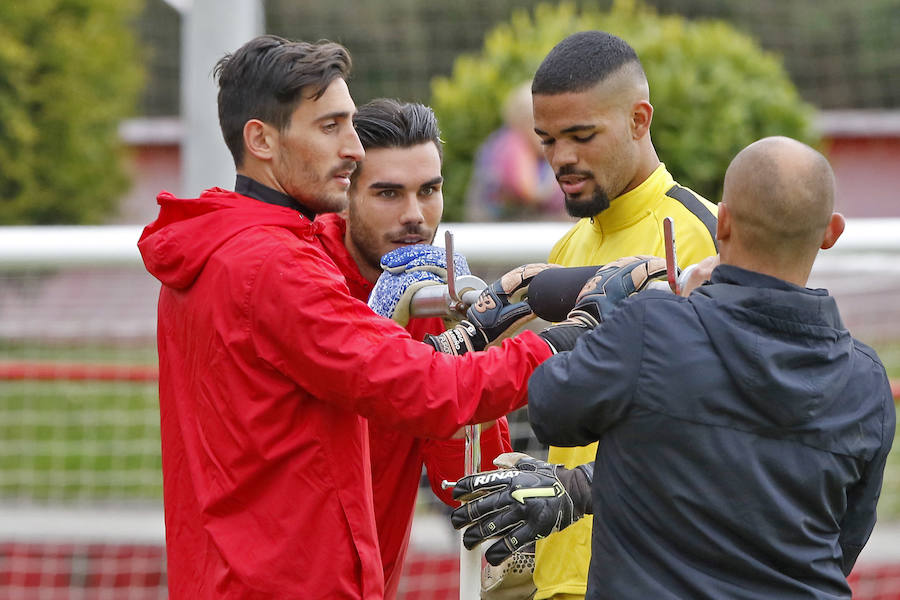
210, 28
470, 560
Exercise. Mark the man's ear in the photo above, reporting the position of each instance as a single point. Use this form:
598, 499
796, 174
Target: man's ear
260, 139
641, 115
833, 231
723, 223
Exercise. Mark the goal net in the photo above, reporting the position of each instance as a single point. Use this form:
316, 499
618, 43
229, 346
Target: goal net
80, 480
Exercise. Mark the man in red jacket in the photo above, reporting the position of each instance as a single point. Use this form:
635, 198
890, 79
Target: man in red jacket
270, 369
395, 200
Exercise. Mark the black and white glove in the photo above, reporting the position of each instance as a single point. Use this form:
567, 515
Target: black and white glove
405, 270
521, 504
600, 296
499, 311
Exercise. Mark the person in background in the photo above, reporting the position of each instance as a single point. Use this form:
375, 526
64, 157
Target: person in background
511, 179
396, 201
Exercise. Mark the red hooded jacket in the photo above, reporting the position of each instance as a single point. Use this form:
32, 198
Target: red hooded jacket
269, 371
396, 456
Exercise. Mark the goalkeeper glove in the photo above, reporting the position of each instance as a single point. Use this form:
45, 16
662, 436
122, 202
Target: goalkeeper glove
600, 296
405, 271
499, 311
521, 504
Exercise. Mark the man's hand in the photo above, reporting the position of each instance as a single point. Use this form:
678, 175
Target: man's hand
499, 311
406, 270
521, 504
694, 276
600, 296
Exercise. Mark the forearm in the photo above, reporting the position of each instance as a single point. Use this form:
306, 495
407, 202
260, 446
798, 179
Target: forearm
386, 376
574, 397
556, 417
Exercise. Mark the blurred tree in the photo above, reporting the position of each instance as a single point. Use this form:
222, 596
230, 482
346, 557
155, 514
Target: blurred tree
839, 54
69, 72
713, 88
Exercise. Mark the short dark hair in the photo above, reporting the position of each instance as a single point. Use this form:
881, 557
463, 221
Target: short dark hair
389, 123
581, 61
266, 78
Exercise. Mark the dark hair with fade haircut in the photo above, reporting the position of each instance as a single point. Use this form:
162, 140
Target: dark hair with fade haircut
266, 79
581, 61
389, 123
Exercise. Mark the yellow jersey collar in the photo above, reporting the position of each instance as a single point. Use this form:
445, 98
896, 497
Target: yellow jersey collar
633, 204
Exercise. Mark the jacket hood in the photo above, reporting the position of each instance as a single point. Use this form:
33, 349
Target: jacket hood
176, 246
807, 354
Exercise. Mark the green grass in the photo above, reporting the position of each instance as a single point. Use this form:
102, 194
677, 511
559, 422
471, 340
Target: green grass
81, 352
91, 441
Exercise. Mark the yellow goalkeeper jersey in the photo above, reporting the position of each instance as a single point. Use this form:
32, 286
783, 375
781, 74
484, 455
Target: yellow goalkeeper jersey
631, 225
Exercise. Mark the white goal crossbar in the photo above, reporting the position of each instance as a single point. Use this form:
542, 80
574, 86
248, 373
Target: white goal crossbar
481, 243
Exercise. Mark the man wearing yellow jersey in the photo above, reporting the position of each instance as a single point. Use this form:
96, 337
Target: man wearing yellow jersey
592, 112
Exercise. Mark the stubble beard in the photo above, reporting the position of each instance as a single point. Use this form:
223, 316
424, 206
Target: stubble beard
368, 241
330, 202
311, 190
365, 240
338, 200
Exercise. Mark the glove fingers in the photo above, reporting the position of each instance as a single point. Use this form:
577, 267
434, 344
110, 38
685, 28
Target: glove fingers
490, 528
644, 272
467, 514
405, 257
422, 255
515, 283
504, 548
497, 552
616, 281
495, 320
512, 329
475, 510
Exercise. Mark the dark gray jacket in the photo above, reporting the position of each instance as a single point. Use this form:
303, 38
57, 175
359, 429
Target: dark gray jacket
743, 437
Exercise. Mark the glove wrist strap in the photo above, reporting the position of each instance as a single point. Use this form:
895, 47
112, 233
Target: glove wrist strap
563, 336
577, 482
459, 340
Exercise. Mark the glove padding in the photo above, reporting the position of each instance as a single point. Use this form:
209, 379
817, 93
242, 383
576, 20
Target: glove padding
600, 296
512, 579
405, 271
616, 281
499, 311
520, 505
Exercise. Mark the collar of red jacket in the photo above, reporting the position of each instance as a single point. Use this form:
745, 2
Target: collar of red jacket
176, 246
334, 227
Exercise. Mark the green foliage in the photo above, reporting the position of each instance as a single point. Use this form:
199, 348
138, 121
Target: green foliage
714, 90
69, 72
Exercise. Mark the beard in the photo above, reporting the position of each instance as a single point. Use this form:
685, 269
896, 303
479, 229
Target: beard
372, 245
581, 208
310, 188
